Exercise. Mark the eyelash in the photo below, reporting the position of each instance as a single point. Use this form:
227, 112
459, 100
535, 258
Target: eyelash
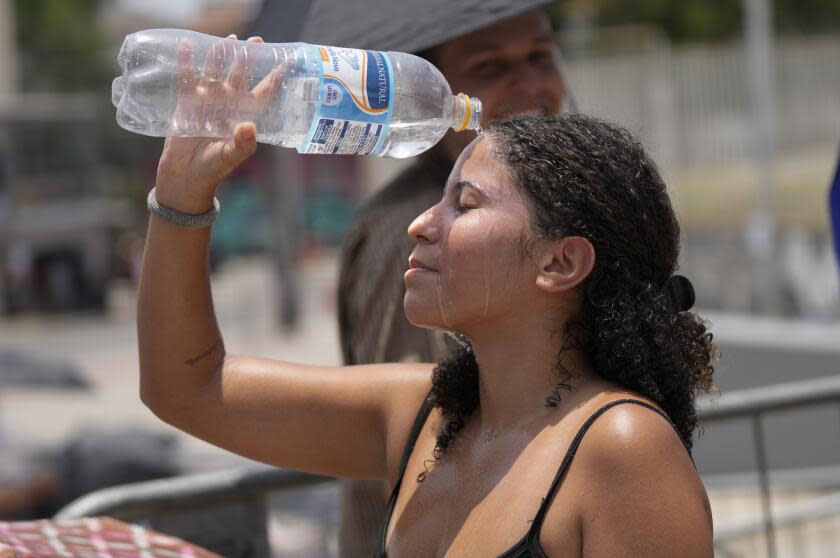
461, 209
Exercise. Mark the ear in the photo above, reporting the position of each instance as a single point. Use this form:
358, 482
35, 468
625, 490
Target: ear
564, 264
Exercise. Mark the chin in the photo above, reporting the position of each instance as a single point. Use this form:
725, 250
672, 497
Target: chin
422, 312
420, 315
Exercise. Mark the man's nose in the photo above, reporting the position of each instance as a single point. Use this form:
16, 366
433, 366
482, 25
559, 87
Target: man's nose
424, 230
529, 78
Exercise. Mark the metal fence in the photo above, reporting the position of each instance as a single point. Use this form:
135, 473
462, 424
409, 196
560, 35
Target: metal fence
227, 511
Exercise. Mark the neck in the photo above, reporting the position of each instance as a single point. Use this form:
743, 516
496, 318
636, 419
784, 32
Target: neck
518, 372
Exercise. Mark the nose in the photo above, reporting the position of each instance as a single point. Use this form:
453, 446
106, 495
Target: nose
423, 229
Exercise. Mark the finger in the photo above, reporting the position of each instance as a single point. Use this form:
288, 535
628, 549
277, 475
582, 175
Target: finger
241, 67
238, 77
186, 74
245, 137
231, 36
213, 64
270, 84
242, 145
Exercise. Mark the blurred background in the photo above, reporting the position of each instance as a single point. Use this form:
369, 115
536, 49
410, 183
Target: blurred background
738, 100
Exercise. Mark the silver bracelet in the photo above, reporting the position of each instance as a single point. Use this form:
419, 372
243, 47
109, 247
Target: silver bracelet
180, 219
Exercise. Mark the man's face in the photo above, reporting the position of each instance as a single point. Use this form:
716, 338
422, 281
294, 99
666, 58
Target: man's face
512, 66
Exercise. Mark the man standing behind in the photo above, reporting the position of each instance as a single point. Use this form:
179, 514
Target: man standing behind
513, 67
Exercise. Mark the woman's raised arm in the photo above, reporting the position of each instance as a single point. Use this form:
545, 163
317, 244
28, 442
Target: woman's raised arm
328, 420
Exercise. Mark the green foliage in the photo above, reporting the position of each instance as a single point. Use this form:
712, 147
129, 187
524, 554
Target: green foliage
703, 20
807, 16
59, 44
686, 20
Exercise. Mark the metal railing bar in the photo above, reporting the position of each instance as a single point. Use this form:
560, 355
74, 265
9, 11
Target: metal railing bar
823, 478
747, 402
764, 484
188, 491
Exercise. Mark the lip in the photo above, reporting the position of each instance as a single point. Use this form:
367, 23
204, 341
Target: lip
416, 272
414, 263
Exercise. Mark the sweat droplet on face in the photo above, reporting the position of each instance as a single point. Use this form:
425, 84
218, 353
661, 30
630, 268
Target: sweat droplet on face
443, 303
485, 272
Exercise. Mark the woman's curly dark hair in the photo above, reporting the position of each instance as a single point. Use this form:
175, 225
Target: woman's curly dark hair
588, 178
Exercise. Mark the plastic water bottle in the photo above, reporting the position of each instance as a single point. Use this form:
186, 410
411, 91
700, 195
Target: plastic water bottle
317, 99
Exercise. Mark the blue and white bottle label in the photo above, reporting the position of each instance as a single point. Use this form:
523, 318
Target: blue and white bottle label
356, 96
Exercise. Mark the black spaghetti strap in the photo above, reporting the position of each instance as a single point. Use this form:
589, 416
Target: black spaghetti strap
534, 532
419, 421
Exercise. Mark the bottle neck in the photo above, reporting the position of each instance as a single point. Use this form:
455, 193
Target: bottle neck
466, 113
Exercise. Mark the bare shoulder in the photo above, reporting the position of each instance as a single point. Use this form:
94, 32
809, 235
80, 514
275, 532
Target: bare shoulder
410, 385
644, 496
628, 436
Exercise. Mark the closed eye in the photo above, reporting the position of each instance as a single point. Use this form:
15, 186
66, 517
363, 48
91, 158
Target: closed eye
464, 203
465, 195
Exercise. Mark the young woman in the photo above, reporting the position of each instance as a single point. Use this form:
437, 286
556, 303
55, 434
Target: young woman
564, 424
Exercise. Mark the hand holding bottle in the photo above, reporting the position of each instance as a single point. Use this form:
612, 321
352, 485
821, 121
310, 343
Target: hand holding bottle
191, 167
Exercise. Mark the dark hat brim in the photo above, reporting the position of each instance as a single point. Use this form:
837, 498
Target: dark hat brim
407, 26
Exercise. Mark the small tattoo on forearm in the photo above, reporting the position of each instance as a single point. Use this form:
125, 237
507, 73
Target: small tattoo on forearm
213, 348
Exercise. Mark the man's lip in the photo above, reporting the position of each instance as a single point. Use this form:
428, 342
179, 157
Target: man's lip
414, 263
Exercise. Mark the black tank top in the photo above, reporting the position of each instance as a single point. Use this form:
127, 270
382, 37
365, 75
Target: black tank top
529, 545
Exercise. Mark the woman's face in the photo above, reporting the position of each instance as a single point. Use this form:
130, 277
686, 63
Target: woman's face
469, 267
